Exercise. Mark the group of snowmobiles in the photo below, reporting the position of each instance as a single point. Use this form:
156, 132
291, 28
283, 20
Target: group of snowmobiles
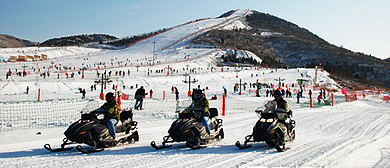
274, 127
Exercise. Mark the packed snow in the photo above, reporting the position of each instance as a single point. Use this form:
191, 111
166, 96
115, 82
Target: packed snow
348, 134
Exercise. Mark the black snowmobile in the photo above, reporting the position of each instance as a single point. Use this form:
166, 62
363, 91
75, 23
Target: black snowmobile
91, 131
274, 126
187, 128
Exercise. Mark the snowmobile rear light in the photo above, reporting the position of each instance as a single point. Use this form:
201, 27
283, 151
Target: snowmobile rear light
270, 120
272, 131
185, 131
81, 133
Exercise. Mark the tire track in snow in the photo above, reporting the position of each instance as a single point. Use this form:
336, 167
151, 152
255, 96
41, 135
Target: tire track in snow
331, 157
167, 156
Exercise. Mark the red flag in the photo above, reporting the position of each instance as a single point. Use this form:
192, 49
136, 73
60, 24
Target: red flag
125, 96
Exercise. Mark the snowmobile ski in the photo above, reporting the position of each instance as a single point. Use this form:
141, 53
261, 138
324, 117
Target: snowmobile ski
89, 151
48, 147
153, 144
279, 149
198, 147
242, 146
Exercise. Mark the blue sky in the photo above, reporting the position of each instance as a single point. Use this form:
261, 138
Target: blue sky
361, 26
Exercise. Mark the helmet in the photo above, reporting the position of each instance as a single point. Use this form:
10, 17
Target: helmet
277, 93
198, 95
109, 95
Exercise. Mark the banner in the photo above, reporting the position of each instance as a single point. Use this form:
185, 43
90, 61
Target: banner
125, 96
344, 90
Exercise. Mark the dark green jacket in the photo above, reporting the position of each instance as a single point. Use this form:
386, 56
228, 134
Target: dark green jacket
200, 105
282, 104
113, 109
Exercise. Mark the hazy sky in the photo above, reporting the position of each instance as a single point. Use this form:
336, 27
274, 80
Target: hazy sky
358, 25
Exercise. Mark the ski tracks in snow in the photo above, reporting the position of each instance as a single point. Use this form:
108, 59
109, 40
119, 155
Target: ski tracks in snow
325, 137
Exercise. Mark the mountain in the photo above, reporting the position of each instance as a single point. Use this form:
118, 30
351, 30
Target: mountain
78, 40
7, 41
284, 44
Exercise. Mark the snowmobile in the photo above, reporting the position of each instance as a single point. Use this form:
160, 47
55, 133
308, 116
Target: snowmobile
274, 126
91, 131
187, 128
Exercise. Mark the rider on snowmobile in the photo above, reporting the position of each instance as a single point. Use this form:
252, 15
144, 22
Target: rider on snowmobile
282, 104
113, 113
199, 102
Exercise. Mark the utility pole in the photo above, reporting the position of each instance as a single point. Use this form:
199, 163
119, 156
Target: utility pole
154, 45
189, 82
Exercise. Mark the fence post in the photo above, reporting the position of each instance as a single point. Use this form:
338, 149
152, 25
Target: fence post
119, 101
311, 103
223, 104
163, 95
39, 94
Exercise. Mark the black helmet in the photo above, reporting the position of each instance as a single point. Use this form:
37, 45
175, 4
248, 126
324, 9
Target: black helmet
198, 95
277, 93
109, 95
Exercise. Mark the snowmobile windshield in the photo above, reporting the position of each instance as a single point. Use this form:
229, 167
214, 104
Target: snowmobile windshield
267, 108
90, 106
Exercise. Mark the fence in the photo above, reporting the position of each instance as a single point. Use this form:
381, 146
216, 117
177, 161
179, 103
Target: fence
39, 115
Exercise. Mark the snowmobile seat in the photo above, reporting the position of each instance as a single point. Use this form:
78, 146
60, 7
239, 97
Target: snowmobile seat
124, 121
126, 115
213, 112
281, 113
119, 127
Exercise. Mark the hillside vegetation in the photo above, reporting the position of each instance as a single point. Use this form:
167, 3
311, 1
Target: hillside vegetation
78, 40
7, 41
284, 44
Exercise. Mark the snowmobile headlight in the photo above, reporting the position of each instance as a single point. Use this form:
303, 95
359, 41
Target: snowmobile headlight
270, 120
272, 131
100, 116
263, 120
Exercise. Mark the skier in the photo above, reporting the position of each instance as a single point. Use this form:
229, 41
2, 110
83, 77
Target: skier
199, 102
83, 93
177, 94
113, 113
298, 95
139, 96
319, 97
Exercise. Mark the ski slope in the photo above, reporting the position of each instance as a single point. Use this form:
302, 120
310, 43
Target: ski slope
349, 134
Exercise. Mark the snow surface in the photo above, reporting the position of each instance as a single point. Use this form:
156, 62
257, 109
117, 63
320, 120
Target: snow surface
349, 134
